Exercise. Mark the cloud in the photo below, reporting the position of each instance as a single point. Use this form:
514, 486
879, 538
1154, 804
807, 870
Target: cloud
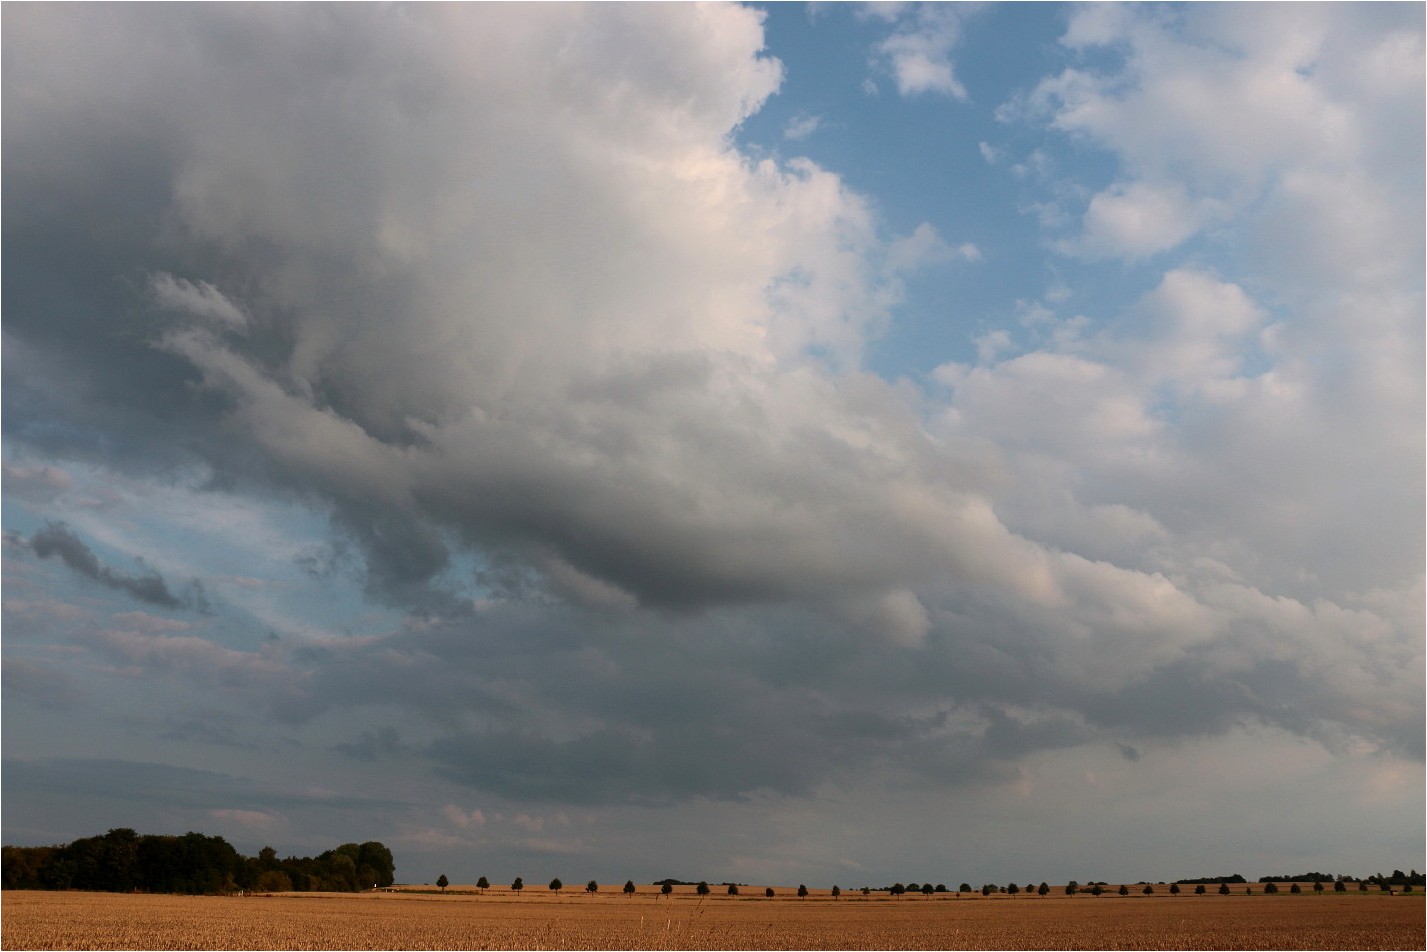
925, 247
188, 655
56, 799
43, 483
199, 299
1204, 129
1136, 220
580, 388
58, 540
463, 819
42, 684
1244, 132
245, 819
801, 126
918, 53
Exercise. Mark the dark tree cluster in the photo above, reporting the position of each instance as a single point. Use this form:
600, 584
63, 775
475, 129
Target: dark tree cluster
124, 861
1398, 878
1301, 878
926, 889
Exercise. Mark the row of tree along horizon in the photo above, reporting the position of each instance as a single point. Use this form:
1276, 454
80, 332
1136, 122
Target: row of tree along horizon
124, 861
1319, 882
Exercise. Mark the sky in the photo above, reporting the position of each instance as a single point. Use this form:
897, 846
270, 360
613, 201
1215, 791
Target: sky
829, 444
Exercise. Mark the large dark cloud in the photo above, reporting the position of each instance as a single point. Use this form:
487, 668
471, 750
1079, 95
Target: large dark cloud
578, 385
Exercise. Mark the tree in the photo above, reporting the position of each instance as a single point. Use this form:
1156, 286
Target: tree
592, 887
897, 889
1362, 885
375, 857
442, 882
836, 891
483, 884
1223, 889
1096, 889
1318, 886
733, 889
964, 887
1124, 890
667, 888
702, 888
556, 885
341, 871
1013, 889
1271, 888
928, 889
987, 889
1042, 889
941, 887
629, 887
1071, 887
1296, 890
274, 880
802, 891
518, 884
1199, 890
768, 892
866, 890
1340, 886
1148, 890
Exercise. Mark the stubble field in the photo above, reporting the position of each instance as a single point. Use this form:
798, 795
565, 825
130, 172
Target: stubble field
540, 920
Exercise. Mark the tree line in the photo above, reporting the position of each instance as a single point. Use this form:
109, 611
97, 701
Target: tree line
1406, 881
124, 861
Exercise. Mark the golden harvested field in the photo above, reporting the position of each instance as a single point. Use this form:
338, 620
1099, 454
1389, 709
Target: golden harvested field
538, 919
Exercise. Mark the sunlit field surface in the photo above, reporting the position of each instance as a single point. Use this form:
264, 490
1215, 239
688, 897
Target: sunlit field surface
609, 920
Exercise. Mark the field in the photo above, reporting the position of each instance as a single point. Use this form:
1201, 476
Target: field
539, 919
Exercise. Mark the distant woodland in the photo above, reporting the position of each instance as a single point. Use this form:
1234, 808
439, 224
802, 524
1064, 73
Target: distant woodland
124, 861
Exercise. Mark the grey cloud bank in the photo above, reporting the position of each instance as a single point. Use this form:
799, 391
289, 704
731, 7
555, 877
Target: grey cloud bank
576, 386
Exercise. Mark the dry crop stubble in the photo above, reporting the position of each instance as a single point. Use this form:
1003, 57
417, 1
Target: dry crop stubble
499, 920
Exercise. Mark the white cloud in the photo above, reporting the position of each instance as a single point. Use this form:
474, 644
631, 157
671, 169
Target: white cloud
992, 344
1136, 220
924, 247
463, 819
200, 299
1203, 329
1209, 113
37, 482
801, 126
918, 53
1288, 372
